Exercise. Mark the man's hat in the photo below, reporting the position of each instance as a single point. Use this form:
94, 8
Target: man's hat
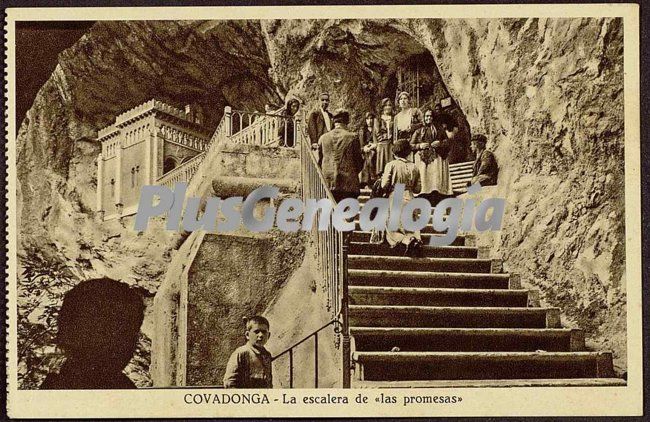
324, 94
341, 115
479, 138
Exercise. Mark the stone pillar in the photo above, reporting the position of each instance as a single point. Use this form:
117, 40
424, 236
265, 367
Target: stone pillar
118, 178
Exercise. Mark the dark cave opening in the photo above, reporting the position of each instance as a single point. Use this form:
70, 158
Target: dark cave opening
419, 76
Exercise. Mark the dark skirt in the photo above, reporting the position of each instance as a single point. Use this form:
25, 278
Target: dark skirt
368, 173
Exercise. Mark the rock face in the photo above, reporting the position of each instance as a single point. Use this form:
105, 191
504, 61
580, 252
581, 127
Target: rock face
547, 92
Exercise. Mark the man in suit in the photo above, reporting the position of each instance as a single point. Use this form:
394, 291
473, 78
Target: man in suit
342, 160
319, 122
486, 169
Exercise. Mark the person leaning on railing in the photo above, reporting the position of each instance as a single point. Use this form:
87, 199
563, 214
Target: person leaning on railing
286, 131
319, 122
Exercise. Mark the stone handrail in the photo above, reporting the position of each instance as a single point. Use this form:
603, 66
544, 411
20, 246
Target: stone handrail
261, 130
182, 173
185, 171
253, 128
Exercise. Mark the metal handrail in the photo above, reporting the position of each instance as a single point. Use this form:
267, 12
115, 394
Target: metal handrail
332, 250
289, 350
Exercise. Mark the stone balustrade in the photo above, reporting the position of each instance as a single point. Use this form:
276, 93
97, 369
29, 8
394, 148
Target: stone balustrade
182, 173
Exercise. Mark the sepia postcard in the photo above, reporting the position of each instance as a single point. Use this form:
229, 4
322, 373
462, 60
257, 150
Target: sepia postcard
323, 211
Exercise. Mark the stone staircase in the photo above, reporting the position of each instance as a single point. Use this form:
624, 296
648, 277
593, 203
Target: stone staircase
453, 318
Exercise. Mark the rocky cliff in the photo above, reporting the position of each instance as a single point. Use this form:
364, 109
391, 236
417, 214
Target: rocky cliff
548, 93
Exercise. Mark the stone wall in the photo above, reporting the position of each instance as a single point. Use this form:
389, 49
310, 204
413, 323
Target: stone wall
215, 280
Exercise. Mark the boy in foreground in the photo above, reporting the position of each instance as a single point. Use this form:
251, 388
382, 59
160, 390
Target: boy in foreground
249, 365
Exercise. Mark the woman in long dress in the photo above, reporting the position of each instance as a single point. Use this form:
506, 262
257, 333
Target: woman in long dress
400, 170
384, 129
408, 120
431, 160
368, 143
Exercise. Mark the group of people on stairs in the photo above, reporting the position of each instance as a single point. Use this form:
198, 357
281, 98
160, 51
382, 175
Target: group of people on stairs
409, 147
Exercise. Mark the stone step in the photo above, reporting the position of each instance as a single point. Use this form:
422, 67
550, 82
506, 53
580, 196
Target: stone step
432, 279
461, 164
405, 263
371, 295
496, 383
426, 229
460, 171
394, 366
453, 316
468, 339
384, 249
363, 236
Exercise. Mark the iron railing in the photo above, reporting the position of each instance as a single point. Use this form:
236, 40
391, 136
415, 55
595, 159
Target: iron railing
331, 250
289, 351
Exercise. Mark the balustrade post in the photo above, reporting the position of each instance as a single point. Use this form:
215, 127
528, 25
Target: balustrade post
296, 132
227, 111
316, 360
291, 368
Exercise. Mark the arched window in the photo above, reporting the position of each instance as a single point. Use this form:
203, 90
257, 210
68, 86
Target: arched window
112, 188
132, 177
169, 164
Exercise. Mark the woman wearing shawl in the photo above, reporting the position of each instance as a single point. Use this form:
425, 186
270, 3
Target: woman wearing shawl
432, 149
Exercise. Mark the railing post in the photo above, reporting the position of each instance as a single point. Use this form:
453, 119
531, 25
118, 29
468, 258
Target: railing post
296, 132
316, 360
290, 368
345, 326
227, 111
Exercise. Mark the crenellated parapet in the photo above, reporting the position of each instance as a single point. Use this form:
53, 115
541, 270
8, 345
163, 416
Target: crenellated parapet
143, 144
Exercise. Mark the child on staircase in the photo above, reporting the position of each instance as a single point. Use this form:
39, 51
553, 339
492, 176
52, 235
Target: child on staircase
249, 366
